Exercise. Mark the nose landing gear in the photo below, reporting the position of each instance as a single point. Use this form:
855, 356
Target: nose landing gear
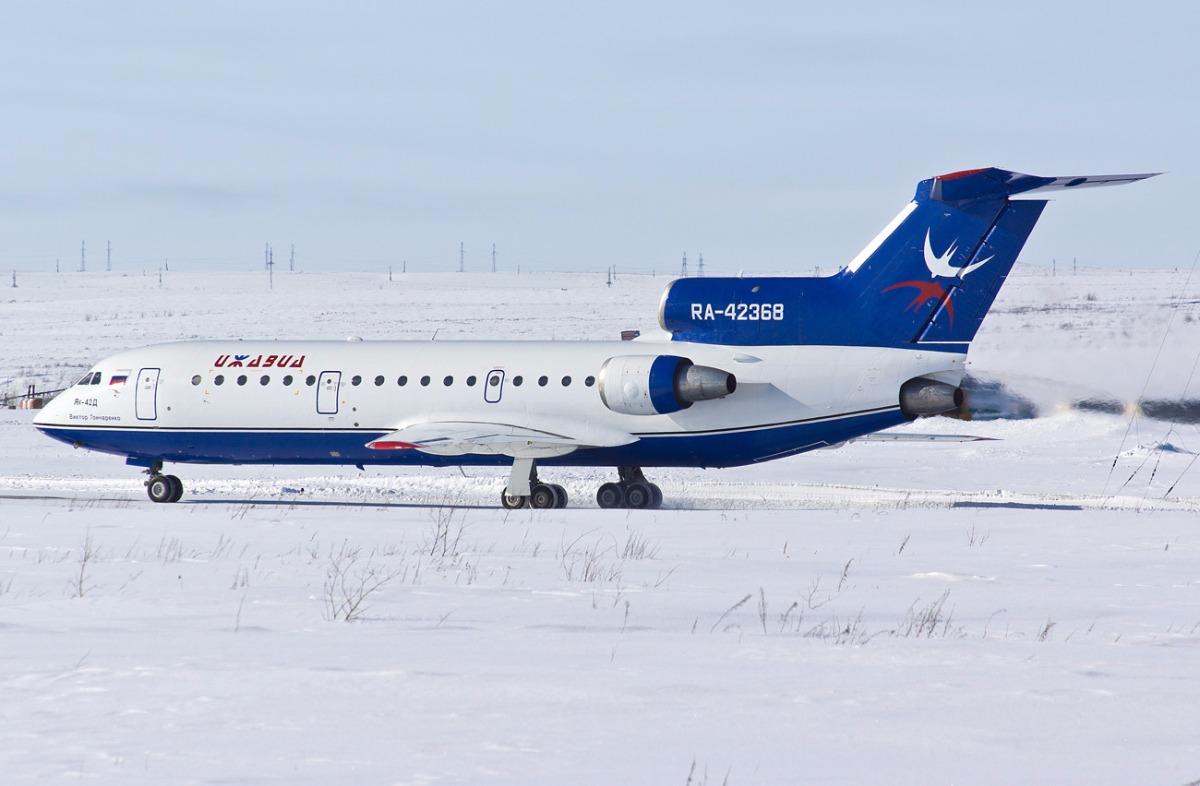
162, 488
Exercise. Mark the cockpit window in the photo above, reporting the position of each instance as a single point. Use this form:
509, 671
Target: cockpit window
90, 378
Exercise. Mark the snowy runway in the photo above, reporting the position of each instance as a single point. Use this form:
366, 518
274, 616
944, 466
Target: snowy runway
1016, 611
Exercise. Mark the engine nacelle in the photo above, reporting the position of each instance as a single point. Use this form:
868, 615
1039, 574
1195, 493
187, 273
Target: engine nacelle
922, 397
659, 384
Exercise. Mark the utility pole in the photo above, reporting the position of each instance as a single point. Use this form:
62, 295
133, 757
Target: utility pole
609, 282
292, 260
108, 258
493, 257
56, 270
83, 256
404, 266
389, 274
271, 269
1074, 266
700, 266
683, 267
461, 257
14, 279
1053, 267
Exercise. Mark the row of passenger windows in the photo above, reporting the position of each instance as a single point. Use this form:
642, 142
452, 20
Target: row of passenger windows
356, 380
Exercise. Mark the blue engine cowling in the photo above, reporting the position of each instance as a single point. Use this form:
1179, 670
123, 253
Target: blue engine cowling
659, 384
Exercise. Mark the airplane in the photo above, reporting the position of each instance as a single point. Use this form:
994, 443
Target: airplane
744, 370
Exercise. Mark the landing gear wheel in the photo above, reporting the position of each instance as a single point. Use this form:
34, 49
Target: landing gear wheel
511, 502
610, 495
543, 496
638, 495
176, 486
656, 497
159, 489
560, 495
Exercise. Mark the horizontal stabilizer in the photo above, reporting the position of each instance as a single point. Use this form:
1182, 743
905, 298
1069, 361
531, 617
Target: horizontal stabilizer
990, 183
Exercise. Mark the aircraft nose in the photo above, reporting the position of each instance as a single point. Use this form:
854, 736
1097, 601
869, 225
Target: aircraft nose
46, 414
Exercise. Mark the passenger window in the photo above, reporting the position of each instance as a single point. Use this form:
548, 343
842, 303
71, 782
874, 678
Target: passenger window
356, 380
494, 380
448, 381
402, 381
287, 380
310, 380
424, 381
471, 381
219, 379
543, 380
590, 381
566, 381
379, 381
241, 380
264, 380
196, 379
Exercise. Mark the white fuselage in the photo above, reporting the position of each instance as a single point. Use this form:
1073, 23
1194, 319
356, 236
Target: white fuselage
357, 389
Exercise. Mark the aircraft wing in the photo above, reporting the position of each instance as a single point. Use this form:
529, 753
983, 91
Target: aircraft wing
881, 436
542, 438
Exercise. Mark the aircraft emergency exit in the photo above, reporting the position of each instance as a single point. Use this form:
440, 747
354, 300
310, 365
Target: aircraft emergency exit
746, 370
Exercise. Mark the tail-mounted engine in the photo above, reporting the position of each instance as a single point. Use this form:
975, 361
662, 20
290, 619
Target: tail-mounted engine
922, 397
659, 384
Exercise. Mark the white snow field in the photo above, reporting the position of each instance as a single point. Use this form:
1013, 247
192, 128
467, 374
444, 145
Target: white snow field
1001, 612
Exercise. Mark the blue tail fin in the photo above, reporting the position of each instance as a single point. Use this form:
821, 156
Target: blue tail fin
928, 279
933, 273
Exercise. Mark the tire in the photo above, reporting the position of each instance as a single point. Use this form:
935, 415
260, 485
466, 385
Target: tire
177, 488
638, 495
560, 495
159, 489
542, 496
510, 502
656, 496
610, 495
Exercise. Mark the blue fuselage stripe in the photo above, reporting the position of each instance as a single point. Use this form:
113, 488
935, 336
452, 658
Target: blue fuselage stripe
349, 447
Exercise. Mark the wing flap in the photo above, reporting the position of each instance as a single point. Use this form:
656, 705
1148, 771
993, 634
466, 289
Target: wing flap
543, 439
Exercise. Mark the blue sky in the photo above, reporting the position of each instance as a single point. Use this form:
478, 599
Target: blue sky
767, 136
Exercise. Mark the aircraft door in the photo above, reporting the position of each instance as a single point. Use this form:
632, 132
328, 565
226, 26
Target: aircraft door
327, 392
493, 386
145, 395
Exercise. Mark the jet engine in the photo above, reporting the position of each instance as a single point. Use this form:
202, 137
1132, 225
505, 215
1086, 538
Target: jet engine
659, 384
922, 397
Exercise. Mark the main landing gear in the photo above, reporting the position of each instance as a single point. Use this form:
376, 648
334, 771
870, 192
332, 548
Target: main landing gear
162, 488
631, 491
524, 489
